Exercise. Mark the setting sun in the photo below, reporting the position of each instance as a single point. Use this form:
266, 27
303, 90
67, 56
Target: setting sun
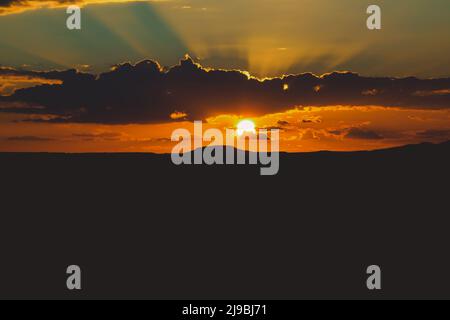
246, 126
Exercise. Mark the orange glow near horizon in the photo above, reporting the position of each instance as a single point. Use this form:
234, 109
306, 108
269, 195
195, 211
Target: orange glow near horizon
301, 130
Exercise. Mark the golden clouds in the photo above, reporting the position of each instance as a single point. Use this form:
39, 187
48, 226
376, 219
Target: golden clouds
18, 6
429, 93
347, 128
178, 115
340, 128
10, 83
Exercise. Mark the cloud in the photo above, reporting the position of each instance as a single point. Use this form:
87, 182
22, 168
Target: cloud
10, 83
434, 134
147, 93
359, 133
65, 76
102, 136
283, 123
312, 119
29, 139
17, 6
178, 115
428, 93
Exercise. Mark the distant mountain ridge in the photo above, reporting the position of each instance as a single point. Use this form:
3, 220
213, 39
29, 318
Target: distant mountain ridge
409, 147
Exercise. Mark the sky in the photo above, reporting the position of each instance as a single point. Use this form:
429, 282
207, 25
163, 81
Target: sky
345, 90
265, 37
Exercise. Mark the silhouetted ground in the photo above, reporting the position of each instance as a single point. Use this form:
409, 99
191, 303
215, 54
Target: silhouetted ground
141, 227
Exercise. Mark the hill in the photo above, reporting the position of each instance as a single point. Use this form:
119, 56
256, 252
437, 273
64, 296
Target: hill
142, 227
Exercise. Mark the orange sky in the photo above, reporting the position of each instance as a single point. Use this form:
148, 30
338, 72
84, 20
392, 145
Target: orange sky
302, 36
302, 129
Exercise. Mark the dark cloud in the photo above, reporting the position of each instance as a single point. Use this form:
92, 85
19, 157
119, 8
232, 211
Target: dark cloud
7, 6
107, 136
145, 93
335, 132
10, 3
29, 139
157, 140
14, 6
434, 134
98, 135
7, 3
312, 119
359, 133
69, 75
282, 123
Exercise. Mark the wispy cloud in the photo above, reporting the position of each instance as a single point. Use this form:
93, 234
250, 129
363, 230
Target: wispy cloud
29, 139
18, 6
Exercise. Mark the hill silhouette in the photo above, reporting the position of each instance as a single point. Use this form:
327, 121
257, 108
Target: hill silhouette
141, 227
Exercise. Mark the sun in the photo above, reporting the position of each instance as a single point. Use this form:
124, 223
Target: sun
246, 126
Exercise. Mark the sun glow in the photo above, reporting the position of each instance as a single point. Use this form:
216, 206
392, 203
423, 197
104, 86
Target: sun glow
246, 126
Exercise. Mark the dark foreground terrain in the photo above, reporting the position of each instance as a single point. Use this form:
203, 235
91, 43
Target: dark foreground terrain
140, 227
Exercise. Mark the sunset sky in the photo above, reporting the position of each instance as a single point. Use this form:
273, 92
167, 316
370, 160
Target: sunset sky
309, 68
